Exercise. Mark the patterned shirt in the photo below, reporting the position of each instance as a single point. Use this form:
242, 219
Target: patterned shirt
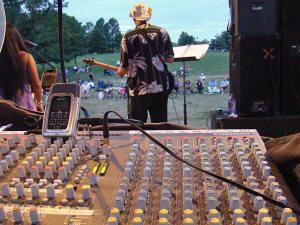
147, 73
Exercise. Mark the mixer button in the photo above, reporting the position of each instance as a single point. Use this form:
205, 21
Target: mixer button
277, 192
50, 191
165, 194
266, 221
3, 214
291, 221
11, 143
63, 151
163, 221
234, 203
273, 186
263, 212
41, 148
143, 193
32, 138
47, 156
187, 203
39, 166
62, 172
112, 221
27, 143
5, 190
211, 203
119, 203
214, 221
188, 221
67, 166
20, 190
147, 172
164, 213
240, 221
53, 166
258, 203
4, 165
270, 179
4, 149
48, 173
9, 160
16, 138
92, 179
15, 155
286, 213
70, 192
187, 172
34, 216
34, 172
80, 202
141, 203
266, 172
56, 161
70, 161
237, 213
128, 172
165, 203
114, 212
35, 191
17, 215
188, 193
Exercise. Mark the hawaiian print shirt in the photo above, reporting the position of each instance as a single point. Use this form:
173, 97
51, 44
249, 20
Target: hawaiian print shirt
147, 73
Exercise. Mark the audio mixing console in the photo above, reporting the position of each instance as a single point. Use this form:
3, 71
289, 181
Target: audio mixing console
133, 181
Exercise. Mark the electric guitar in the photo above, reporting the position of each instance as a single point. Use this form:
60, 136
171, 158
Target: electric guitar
93, 62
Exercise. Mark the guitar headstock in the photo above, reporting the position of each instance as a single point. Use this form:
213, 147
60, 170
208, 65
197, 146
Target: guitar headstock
90, 61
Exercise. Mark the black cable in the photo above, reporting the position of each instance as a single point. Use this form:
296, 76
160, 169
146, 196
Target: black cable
60, 41
242, 187
172, 98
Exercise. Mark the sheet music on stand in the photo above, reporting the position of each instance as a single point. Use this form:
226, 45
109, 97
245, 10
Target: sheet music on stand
188, 53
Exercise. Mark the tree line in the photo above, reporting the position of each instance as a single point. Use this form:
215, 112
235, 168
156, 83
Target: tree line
37, 21
221, 41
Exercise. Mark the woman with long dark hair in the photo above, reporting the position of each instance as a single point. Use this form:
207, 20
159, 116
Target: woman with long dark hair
18, 72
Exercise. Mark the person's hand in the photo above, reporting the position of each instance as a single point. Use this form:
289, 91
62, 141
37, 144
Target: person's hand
40, 108
122, 71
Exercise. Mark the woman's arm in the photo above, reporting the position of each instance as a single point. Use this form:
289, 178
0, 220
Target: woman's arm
34, 81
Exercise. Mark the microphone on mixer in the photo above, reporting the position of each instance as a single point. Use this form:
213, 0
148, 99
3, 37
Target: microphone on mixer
30, 44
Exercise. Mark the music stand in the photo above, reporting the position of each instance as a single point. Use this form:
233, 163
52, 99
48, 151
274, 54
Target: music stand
188, 53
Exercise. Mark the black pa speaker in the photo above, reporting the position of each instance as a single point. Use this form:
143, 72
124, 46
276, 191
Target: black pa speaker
255, 17
255, 75
290, 63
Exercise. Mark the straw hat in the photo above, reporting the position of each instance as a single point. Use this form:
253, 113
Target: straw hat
141, 11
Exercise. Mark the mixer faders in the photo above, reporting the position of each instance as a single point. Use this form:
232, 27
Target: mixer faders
133, 181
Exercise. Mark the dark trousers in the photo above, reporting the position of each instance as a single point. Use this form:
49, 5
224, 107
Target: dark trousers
156, 104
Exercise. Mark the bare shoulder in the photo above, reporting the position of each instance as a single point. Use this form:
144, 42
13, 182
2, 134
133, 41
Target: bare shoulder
25, 55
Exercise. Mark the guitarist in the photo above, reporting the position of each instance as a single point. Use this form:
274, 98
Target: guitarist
144, 53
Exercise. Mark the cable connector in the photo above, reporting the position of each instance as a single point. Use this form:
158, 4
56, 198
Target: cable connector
106, 141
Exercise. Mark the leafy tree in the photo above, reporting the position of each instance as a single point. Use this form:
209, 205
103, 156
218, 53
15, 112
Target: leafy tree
220, 41
88, 27
12, 9
113, 34
185, 39
98, 40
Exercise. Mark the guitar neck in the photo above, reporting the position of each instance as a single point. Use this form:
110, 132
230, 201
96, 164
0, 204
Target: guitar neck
105, 66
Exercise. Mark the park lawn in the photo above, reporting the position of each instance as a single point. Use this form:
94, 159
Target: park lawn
213, 65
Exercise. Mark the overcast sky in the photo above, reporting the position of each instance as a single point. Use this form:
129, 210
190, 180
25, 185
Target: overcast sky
200, 18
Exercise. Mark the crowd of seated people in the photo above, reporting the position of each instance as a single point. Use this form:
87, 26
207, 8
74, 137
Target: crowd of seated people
200, 87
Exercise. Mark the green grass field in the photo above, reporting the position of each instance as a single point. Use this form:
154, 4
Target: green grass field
213, 65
